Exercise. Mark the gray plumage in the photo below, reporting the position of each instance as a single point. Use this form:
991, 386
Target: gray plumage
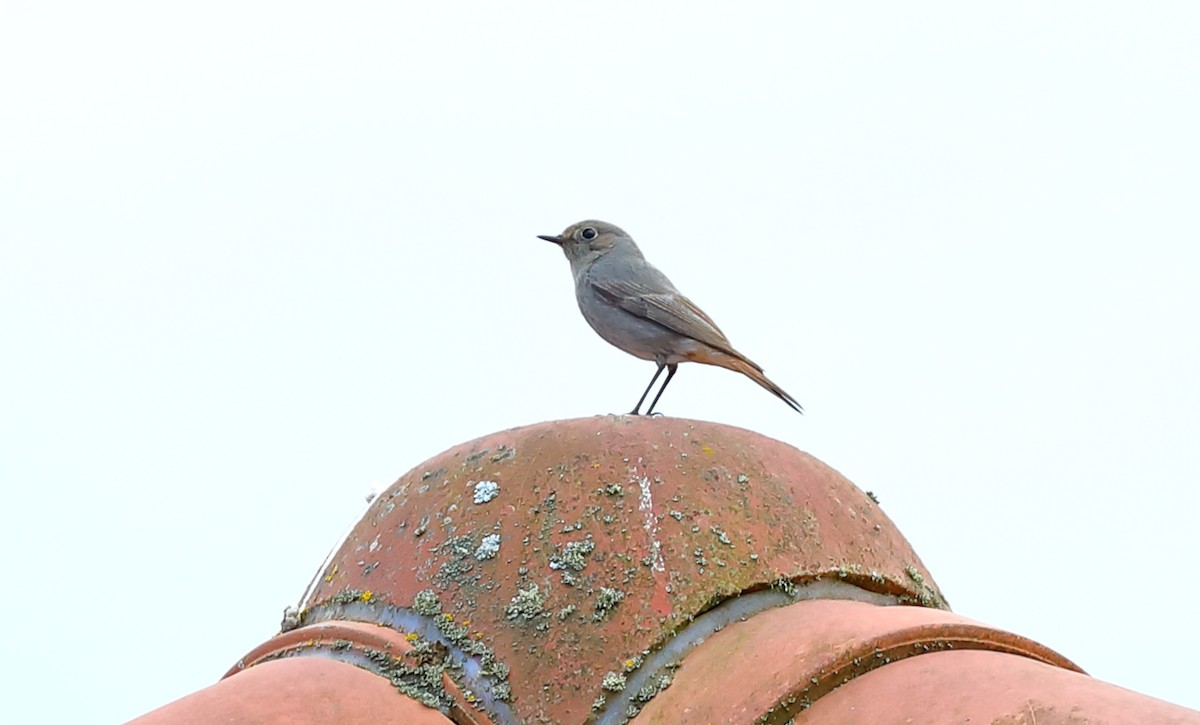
633, 306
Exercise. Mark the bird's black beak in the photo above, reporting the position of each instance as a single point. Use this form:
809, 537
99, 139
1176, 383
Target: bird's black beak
557, 240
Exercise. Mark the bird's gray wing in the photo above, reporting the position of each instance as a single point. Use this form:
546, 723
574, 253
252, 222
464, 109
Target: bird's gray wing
669, 309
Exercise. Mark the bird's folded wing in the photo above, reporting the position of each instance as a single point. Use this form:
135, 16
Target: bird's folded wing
669, 309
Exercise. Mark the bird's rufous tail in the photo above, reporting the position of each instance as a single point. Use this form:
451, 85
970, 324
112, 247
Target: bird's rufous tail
747, 368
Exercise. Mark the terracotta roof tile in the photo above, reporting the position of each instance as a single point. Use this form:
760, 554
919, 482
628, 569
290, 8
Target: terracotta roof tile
295, 691
595, 569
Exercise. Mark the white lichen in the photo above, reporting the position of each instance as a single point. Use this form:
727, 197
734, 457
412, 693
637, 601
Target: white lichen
486, 491
489, 547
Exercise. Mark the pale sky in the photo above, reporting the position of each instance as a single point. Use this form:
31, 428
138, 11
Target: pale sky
256, 259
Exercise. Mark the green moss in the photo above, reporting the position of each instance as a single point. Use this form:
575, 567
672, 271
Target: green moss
527, 604
421, 682
652, 688
787, 586
459, 553
502, 691
348, 596
606, 601
613, 682
573, 555
452, 630
426, 603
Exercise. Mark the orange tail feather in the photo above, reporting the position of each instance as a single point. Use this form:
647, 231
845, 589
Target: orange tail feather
747, 368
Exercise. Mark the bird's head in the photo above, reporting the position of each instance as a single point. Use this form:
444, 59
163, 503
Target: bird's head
588, 240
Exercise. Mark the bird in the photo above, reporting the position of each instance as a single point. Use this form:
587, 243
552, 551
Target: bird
634, 307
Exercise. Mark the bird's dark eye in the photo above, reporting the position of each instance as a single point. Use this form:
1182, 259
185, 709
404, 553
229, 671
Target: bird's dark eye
588, 233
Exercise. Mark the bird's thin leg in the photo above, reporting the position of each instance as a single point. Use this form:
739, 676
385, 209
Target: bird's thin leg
651, 385
670, 374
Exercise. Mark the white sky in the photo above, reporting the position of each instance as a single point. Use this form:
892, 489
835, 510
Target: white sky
259, 258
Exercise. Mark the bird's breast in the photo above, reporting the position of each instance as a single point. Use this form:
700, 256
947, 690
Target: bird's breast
635, 335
